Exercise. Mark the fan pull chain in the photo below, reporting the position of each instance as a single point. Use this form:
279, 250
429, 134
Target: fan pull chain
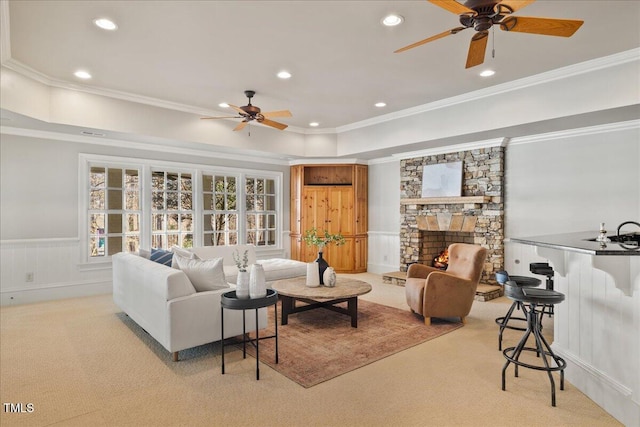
493, 42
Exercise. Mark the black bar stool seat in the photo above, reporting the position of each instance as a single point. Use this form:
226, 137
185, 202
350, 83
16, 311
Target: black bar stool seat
503, 321
544, 269
531, 299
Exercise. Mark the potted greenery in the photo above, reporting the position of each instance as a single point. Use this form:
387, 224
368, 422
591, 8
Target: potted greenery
321, 239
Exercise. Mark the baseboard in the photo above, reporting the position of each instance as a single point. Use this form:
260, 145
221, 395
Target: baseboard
614, 397
58, 291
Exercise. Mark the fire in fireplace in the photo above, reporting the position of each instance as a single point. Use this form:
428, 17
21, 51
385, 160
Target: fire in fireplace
442, 260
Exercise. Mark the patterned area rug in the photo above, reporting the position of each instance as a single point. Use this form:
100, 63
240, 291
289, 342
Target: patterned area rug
319, 345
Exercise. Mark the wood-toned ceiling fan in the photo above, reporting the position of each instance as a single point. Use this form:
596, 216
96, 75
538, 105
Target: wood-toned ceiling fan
250, 112
481, 15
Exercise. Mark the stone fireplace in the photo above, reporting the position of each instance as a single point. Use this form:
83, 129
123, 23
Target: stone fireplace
429, 225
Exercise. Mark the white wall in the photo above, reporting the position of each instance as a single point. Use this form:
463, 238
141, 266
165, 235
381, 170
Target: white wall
384, 216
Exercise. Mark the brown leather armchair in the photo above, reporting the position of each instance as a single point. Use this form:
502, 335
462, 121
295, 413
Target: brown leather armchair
436, 293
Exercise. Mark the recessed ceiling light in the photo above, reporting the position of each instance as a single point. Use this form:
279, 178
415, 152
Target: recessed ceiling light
487, 73
392, 20
223, 105
81, 74
105, 24
314, 124
380, 104
284, 74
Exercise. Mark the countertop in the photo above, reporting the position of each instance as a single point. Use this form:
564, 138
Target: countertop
582, 242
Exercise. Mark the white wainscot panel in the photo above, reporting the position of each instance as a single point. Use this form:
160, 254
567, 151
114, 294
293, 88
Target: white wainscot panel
45, 269
597, 331
383, 252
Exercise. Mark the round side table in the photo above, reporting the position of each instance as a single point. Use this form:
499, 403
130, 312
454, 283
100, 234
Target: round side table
230, 301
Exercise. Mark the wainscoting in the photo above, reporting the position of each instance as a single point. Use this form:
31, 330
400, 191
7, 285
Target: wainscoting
384, 251
35, 270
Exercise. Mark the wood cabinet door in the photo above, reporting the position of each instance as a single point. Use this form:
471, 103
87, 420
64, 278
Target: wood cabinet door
361, 193
341, 258
361, 250
314, 209
340, 210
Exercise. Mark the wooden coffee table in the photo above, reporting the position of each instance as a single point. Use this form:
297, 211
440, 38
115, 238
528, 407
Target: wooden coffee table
346, 289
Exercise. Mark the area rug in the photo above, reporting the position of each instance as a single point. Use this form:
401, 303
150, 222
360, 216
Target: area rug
319, 345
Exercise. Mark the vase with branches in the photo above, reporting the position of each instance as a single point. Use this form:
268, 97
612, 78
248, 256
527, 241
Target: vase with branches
322, 239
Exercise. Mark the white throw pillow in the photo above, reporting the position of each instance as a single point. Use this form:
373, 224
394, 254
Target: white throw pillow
177, 250
205, 275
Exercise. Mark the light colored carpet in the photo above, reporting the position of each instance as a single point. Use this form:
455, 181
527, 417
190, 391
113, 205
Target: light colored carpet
318, 345
80, 364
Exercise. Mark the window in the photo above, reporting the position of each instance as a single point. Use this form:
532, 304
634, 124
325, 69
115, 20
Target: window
171, 209
220, 195
136, 203
260, 202
114, 211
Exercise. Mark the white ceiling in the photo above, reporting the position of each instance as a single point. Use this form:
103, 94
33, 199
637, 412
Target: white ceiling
201, 53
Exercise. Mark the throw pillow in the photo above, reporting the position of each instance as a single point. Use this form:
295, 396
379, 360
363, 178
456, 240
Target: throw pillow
161, 256
177, 250
204, 274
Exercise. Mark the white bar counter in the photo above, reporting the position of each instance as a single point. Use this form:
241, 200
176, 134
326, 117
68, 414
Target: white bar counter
597, 327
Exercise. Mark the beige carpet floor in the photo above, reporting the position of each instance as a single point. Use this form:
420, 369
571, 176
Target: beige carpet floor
80, 364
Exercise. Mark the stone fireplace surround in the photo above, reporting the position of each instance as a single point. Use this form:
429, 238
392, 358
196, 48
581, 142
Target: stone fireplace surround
430, 225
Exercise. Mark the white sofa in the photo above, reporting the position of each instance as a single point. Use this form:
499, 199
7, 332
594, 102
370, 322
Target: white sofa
274, 268
164, 303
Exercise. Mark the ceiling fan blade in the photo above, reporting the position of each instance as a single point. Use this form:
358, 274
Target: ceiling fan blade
215, 118
241, 125
271, 123
281, 113
477, 49
432, 38
238, 109
516, 4
453, 7
544, 26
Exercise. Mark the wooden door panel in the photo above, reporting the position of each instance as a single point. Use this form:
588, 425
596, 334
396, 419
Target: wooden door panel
314, 209
340, 210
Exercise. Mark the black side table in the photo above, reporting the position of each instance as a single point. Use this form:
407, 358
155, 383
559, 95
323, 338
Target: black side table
230, 301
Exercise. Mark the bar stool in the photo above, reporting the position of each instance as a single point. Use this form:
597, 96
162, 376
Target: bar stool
544, 269
531, 299
521, 281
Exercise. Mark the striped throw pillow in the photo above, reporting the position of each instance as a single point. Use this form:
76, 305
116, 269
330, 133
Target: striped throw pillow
161, 256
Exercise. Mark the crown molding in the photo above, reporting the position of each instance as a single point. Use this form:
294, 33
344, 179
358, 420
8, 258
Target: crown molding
467, 146
262, 158
549, 76
571, 133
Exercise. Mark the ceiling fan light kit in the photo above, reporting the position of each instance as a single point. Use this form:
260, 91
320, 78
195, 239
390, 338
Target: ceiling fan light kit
482, 15
251, 112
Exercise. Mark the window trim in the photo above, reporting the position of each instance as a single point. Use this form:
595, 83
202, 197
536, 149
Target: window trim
197, 170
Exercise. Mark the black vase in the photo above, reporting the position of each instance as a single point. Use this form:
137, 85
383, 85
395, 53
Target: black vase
322, 266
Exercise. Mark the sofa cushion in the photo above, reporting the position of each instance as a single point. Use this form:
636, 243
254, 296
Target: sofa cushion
161, 256
205, 275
